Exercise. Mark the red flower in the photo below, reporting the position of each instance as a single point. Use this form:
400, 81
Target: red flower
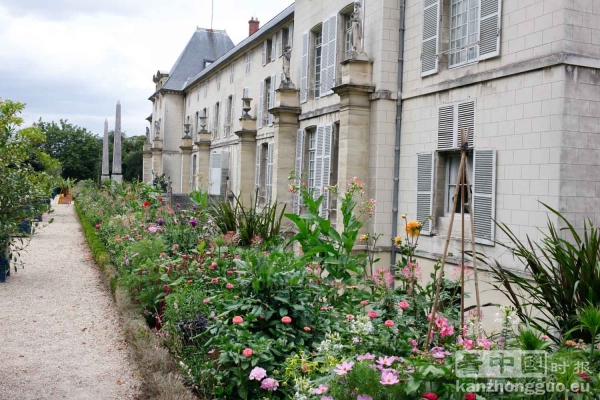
429, 396
146, 204
237, 320
160, 199
97, 226
286, 320
470, 396
247, 352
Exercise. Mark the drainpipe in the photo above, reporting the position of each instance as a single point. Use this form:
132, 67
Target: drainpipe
398, 134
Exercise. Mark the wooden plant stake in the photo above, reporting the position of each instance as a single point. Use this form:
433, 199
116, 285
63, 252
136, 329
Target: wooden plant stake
461, 181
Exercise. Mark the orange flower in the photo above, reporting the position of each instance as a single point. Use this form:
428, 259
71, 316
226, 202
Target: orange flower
286, 320
397, 240
237, 320
307, 328
363, 237
413, 228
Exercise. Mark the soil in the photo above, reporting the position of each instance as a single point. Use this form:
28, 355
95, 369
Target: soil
60, 336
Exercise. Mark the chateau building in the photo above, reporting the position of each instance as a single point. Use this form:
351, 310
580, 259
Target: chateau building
380, 90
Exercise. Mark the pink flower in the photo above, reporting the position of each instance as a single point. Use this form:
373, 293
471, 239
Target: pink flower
213, 266
389, 323
175, 246
237, 320
367, 356
447, 331
153, 229
326, 398
257, 374
544, 337
403, 305
484, 343
269, 384
229, 286
247, 352
350, 317
413, 343
286, 320
429, 396
364, 303
386, 361
205, 301
215, 280
388, 378
466, 343
322, 389
372, 314
364, 397
343, 368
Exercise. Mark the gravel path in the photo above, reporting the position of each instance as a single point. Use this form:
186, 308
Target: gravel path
60, 336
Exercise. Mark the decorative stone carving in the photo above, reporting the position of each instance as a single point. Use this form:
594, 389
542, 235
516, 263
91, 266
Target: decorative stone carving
356, 34
286, 82
156, 130
147, 134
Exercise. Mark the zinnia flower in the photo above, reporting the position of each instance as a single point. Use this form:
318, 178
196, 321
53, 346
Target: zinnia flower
413, 228
146, 204
97, 226
286, 320
429, 396
389, 323
389, 378
470, 396
364, 303
229, 286
403, 305
322, 389
237, 320
372, 314
350, 317
343, 368
269, 384
257, 374
247, 352
215, 280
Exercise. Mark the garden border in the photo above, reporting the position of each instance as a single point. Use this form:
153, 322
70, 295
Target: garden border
160, 377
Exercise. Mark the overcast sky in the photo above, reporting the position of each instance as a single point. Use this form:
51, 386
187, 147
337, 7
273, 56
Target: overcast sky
73, 59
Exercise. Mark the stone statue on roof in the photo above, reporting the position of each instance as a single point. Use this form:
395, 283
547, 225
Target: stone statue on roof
287, 56
147, 134
357, 31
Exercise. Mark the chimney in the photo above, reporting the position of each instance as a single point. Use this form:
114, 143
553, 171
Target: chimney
254, 25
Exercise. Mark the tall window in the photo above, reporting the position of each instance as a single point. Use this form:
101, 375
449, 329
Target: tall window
312, 153
231, 71
216, 115
219, 80
229, 120
348, 33
464, 31
248, 61
267, 100
318, 43
452, 167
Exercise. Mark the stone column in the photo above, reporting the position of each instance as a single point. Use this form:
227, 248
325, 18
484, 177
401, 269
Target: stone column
186, 163
157, 164
203, 150
355, 110
116, 166
286, 112
247, 162
147, 170
105, 169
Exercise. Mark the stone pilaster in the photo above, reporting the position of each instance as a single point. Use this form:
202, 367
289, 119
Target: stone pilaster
186, 163
355, 110
105, 169
203, 149
247, 143
286, 112
157, 161
147, 163
116, 166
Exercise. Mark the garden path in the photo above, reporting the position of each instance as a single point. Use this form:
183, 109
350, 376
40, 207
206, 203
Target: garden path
60, 336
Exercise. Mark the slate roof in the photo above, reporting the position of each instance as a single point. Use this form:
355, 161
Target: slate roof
205, 45
265, 31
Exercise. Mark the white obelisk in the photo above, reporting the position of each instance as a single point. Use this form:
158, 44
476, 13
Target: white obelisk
116, 166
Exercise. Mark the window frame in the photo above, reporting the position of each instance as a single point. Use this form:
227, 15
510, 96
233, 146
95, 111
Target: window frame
248, 62
266, 97
268, 51
216, 122
451, 156
468, 44
311, 150
318, 61
347, 33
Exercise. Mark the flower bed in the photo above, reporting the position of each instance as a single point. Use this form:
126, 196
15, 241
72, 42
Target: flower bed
248, 318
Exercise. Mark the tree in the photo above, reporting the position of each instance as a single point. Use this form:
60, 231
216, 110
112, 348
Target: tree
78, 150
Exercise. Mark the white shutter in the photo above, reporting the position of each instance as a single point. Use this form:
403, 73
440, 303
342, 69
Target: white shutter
327, 138
304, 68
490, 12
320, 141
272, 98
329, 56
280, 43
431, 34
232, 117
290, 34
446, 127
274, 47
257, 175
225, 178
297, 202
269, 173
264, 53
484, 194
259, 112
466, 120
425, 175
225, 122
215, 174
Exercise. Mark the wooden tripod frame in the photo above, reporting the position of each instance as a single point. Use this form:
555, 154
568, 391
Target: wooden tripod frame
462, 183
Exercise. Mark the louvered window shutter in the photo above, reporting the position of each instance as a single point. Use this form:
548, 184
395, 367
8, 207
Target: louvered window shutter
272, 98
224, 174
431, 34
327, 138
232, 117
320, 141
257, 174
446, 128
225, 123
274, 48
304, 68
259, 112
264, 53
291, 34
297, 202
466, 120
331, 56
215, 174
280, 43
490, 12
425, 175
269, 175
484, 194
325, 42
